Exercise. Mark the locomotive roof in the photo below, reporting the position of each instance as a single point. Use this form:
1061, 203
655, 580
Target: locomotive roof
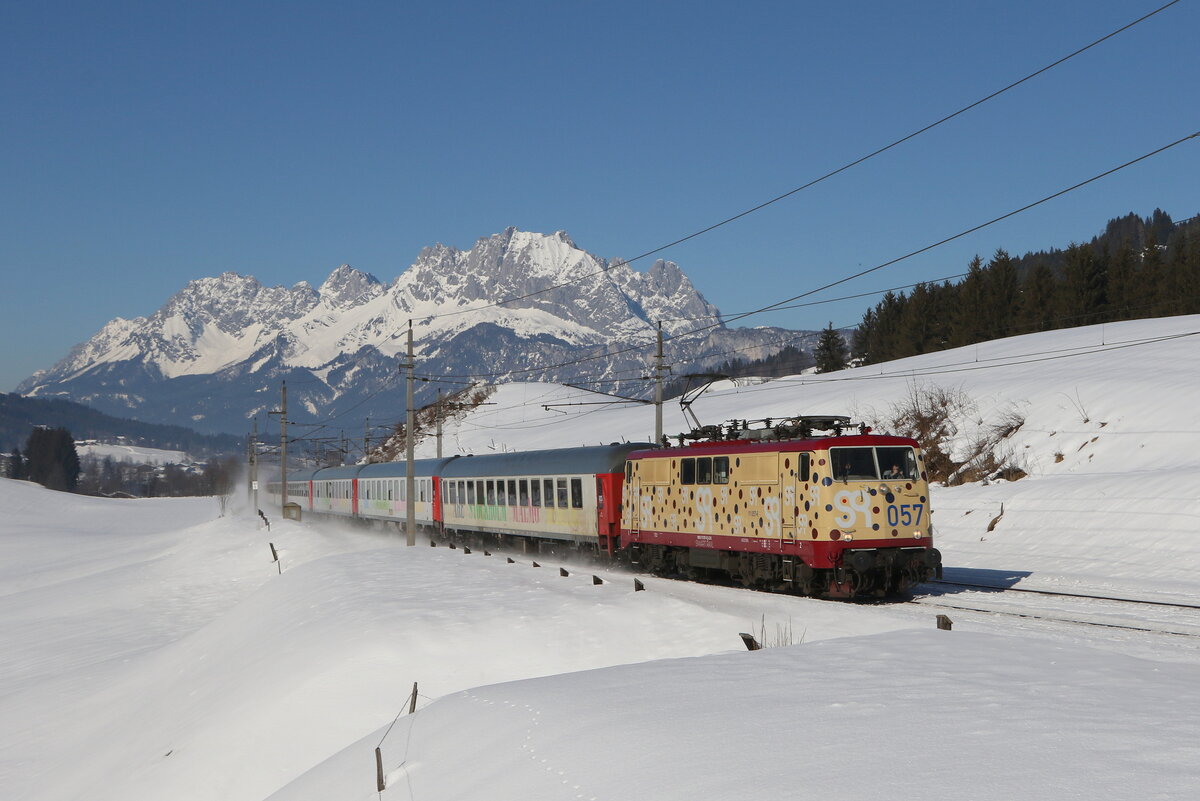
559, 461
784, 445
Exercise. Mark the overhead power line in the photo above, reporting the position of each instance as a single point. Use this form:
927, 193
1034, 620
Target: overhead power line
820, 179
779, 304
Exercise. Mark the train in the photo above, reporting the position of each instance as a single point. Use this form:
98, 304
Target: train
815, 506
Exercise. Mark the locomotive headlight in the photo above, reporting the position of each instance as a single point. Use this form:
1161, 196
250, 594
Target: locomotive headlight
848, 537
917, 534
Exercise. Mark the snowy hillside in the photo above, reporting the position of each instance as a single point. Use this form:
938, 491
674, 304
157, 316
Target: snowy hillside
214, 355
149, 649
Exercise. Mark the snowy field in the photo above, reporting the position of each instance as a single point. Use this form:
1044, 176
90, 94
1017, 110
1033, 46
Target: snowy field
151, 650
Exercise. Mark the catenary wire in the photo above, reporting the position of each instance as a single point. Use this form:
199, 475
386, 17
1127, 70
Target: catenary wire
815, 181
859, 274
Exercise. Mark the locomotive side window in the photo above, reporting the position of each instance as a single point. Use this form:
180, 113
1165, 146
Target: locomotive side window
535, 492
704, 470
804, 463
629, 471
687, 471
720, 469
577, 493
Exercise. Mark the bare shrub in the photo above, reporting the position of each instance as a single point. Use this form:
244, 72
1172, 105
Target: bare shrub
454, 406
929, 414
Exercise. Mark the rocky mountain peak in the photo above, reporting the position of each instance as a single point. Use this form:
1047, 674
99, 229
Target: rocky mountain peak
347, 286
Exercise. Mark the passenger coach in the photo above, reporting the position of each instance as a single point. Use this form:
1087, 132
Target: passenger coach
572, 495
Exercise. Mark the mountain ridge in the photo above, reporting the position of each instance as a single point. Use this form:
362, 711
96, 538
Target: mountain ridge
516, 300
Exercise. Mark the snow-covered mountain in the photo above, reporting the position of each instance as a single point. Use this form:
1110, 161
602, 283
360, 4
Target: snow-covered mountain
214, 355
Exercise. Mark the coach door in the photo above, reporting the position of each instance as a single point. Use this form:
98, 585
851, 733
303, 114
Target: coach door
633, 498
788, 475
789, 492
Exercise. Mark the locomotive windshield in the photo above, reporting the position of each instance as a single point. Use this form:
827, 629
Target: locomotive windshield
870, 464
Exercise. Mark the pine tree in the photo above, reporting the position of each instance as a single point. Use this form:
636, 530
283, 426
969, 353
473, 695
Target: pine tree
16, 465
968, 306
52, 460
1086, 286
1000, 296
831, 351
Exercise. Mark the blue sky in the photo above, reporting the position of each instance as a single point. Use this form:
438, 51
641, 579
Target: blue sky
146, 144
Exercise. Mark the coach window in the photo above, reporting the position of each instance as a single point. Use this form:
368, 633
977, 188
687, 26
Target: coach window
562, 493
720, 469
535, 492
471, 493
687, 471
491, 493
577, 493
704, 470
453, 492
523, 492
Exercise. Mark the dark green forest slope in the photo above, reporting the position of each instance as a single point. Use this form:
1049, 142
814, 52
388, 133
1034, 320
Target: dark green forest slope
1139, 267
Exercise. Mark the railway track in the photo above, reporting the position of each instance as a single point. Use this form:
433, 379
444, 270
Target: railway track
1101, 611
994, 588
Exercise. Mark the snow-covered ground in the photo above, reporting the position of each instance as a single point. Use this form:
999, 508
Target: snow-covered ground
150, 649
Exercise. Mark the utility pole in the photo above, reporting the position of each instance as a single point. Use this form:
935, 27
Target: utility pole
283, 446
367, 440
658, 388
254, 464
438, 416
410, 431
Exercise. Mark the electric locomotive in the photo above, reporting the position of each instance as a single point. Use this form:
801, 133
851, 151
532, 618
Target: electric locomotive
779, 506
